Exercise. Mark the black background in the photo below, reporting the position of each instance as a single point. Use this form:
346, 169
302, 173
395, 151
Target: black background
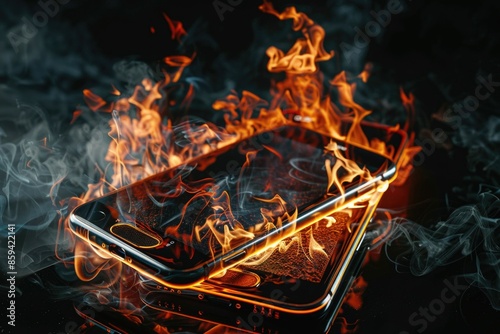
433, 49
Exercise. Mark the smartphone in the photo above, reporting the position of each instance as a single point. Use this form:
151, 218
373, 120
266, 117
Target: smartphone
287, 291
193, 221
283, 293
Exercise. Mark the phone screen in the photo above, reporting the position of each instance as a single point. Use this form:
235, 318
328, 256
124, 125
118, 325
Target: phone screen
222, 200
297, 258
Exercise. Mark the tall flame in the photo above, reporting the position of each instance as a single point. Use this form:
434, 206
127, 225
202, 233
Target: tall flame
306, 52
143, 138
144, 141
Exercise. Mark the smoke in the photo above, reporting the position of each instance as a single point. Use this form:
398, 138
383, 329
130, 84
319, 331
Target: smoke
479, 136
28, 173
469, 236
38, 169
51, 145
46, 156
43, 160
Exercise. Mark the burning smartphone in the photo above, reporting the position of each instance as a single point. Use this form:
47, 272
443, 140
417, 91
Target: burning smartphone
192, 222
288, 290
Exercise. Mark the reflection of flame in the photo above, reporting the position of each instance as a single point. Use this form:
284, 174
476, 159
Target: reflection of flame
144, 141
88, 267
352, 169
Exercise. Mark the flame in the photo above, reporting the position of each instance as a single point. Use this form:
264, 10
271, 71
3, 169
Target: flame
405, 166
175, 27
76, 114
94, 101
223, 216
306, 52
342, 164
88, 267
353, 299
144, 141
366, 72
302, 90
346, 99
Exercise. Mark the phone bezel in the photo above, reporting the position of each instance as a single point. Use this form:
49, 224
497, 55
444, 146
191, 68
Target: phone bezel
201, 304
319, 294
160, 272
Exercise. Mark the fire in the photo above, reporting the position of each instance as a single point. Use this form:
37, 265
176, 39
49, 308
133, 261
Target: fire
302, 90
306, 52
94, 101
88, 266
404, 166
144, 141
353, 170
223, 216
175, 27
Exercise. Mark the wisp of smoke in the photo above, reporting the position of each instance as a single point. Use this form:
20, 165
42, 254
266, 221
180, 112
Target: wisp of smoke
471, 233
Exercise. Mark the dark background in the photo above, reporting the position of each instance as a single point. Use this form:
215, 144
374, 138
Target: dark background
433, 49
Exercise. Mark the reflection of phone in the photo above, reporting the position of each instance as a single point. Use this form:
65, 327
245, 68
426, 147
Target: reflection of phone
289, 290
191, 222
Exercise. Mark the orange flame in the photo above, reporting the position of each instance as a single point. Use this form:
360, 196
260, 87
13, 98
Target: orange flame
366, 72
349, 166
141, 147
302, 89
94, 101
346, 99
306, 52
405, 166
141, 139
175, 27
